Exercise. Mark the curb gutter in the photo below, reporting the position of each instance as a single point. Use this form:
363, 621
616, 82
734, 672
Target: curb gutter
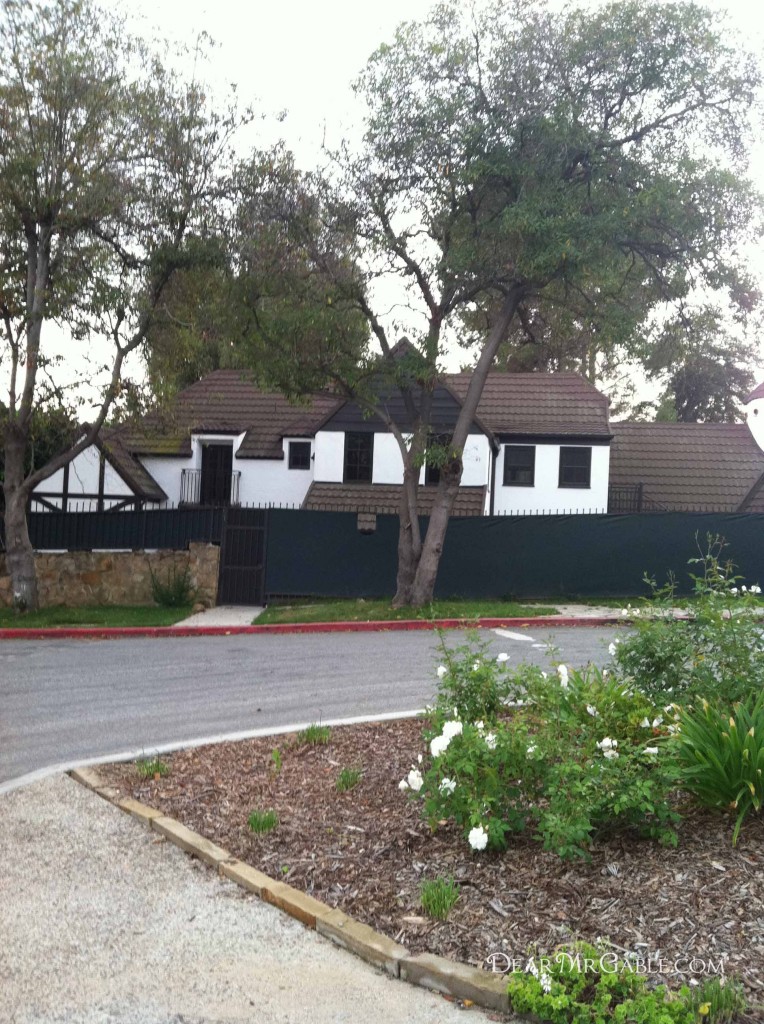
426, 970
118, 632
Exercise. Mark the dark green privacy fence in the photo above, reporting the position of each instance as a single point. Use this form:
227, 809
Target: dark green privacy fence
324, 553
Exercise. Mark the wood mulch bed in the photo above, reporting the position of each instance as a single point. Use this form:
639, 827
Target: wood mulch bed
367, 851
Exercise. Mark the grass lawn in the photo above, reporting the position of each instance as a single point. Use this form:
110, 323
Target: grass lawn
96, 615
381, 610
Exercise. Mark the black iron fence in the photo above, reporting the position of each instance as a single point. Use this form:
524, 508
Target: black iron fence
170, 529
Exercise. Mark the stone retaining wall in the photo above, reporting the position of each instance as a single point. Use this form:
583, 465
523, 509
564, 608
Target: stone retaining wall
78, 578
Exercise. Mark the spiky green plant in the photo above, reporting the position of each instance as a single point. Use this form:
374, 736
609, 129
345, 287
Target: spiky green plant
315, 735
263, 821
438, 897
723, 755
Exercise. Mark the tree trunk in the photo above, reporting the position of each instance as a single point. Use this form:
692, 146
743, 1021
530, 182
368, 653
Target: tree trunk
409, 539
423, 589
19, 554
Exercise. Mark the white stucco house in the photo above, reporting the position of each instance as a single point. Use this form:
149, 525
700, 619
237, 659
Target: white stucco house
540, 443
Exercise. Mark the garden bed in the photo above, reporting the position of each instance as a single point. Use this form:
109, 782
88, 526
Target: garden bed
367, 851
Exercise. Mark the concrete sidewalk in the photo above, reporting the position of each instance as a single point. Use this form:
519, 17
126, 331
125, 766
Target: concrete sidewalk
103, 921
223, 615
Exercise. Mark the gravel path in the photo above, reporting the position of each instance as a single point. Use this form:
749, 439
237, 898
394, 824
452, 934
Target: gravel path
103, 922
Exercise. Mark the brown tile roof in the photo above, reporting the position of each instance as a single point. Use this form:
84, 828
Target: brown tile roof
538, 403
385, 498
227, 402
689, 465
758, 392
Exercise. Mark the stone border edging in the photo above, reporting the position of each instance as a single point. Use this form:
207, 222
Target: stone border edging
117, 632
426, 970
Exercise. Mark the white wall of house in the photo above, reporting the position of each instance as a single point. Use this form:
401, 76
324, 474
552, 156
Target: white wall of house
754, 417
271, 481
166, 470
329, 464
546, 495
387, 467
388, 463
477, 461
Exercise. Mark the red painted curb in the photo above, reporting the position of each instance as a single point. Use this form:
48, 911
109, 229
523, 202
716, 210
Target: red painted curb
115, 632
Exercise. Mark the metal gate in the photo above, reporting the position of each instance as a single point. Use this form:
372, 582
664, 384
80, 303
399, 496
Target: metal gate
242, 557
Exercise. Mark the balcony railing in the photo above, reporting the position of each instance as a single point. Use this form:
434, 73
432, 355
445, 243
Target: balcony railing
218, 491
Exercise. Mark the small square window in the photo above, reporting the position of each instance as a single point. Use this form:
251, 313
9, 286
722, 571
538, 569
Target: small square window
519, 465
575, 467
299, 454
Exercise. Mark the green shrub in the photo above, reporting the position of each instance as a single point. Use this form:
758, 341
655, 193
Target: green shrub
277, 760
473, 684
716, 653
263, 821
585, 984
314, 735
176, 590
150, 767
723, 754
438, 896
581, 756
347, 779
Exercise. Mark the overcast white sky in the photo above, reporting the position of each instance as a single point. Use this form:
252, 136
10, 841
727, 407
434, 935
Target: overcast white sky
300, 56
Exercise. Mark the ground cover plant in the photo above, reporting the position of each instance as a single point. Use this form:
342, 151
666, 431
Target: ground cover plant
591, 984
93, 615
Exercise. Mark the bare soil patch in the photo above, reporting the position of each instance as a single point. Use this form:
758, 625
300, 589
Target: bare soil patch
367, 852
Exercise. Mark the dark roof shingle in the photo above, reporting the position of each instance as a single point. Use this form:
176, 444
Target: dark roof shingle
385, 498
689, 465
227, 402
538, 403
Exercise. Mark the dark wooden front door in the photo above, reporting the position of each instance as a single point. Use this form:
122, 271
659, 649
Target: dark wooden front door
217, 467
242, 557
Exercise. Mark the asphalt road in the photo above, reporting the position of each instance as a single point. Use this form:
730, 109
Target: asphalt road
66, 701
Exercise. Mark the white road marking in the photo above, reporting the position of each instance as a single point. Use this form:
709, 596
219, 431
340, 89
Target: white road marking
513, 636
